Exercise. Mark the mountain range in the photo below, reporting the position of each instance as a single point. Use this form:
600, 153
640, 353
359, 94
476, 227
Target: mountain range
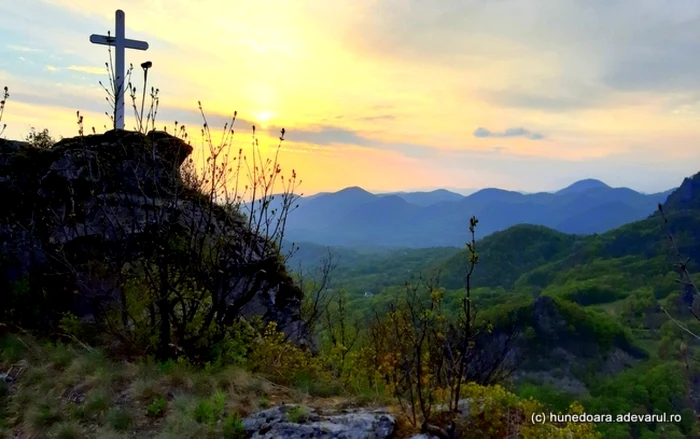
356, 217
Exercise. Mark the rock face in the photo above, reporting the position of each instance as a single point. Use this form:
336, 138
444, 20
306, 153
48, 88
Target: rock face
297, 422
686, 197
552, 348
93, 198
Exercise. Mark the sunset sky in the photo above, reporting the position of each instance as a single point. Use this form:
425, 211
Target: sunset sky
389, 94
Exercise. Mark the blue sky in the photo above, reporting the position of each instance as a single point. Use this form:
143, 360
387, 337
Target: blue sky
392, 95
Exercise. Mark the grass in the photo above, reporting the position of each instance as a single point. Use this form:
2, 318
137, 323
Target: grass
65, 391
66, 430
157, 408
42, 416
209, 410
68, 392
96, 403
233, 428
119, 419
297, 414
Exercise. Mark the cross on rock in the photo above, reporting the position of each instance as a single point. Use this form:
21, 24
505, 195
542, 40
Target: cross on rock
120, 43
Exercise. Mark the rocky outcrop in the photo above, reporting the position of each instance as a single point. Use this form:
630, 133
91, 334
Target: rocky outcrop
93, 200
686, 197
297, 422
557, 343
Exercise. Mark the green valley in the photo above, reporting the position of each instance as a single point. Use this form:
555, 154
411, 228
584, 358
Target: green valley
603, 318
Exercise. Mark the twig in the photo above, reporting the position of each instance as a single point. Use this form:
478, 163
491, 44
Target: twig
679, 324
75, 339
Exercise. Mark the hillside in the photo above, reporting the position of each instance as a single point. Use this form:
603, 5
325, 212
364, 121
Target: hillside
136, 305
354, 217
532, 259
360, 270
641, 242
559, 317
588, 310
508, 254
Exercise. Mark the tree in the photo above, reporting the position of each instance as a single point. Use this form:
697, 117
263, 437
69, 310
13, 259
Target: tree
40, 139
428, 358
317, 294
186, 254
689, 295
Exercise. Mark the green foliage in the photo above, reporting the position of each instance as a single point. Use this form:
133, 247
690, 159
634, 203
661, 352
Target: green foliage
209, 410
233, 427
495, 412
157, 408
12, 349
60, 356
66, 430
264, 402
555, 399
645, 389
596, 324
40, 139
604, 292
371, 270
601, 289
296, 414
508, 254
119, 419
71, 325
43, 416
96, 402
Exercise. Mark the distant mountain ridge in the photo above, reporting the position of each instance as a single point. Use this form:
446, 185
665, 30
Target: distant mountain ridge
427, 198
356, 217
537, 253
582, 186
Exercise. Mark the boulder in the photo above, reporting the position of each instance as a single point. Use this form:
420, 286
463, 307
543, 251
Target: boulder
92, 198
293, 421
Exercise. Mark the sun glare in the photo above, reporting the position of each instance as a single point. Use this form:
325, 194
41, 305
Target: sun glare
264, 117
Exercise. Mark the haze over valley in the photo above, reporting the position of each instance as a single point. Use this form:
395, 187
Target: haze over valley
355, 217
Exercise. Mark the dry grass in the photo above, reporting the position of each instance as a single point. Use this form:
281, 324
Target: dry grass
66, 392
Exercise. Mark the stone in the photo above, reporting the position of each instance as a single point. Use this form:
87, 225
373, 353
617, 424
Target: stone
94, 196
277, 423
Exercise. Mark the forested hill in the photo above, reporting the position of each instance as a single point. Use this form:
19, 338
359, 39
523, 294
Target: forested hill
541, 254
602, 318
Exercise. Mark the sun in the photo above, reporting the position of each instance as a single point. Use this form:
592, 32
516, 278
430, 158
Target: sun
264, 117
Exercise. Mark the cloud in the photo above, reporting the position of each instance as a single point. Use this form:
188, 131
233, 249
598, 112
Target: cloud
326, 135
87, 69
404, 74
591, 53
331, 135
22, 48
576, 98
510, 132
377, 118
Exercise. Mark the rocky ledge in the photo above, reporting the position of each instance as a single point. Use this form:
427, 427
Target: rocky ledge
296, 422
93, 197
